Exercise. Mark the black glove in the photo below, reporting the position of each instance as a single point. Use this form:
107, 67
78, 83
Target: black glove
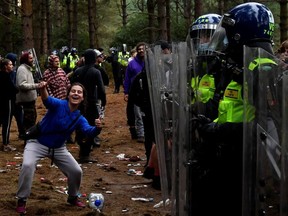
202, 119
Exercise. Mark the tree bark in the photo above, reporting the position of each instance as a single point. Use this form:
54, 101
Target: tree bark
69, 21
162, 22
7, 23
283, 20
27, 15
91, 21
75, 24
151, 19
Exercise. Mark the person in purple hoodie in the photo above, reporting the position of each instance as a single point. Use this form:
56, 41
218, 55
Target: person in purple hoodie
133, 113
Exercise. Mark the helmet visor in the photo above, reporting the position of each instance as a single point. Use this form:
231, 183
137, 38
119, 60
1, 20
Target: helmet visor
219, 41
200, 41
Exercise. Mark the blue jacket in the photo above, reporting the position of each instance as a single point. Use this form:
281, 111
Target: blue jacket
55, 123
134, 67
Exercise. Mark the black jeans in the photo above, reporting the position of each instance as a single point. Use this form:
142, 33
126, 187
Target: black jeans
86, 143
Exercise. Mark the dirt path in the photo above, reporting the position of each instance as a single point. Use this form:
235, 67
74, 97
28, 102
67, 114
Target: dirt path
109, 176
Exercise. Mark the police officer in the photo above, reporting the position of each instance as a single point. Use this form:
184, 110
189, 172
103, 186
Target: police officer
250, 24
206, 67
70, 62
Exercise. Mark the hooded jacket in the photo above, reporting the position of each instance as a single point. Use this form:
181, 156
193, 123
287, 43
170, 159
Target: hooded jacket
91, 78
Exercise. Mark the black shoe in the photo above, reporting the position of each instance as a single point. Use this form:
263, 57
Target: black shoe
156, 184
133, 133
86, 159
148, 173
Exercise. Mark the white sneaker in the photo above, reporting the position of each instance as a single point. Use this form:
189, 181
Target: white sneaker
8, 148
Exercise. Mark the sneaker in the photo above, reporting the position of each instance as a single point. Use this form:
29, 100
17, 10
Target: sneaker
74, 200
140, 139
21, 206
8, 148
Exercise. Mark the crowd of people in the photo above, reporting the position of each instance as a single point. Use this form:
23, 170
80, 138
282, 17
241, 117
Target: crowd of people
73, 91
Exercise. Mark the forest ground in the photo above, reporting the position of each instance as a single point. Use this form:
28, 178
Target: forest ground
108, 176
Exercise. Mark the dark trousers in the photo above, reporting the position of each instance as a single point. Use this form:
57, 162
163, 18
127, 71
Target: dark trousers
29, 114
117, 76
130, 114
149, 134
86, 143
18, 115
6, 110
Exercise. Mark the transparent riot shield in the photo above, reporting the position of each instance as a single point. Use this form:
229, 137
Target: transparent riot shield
181, 176
265, 137
159, 75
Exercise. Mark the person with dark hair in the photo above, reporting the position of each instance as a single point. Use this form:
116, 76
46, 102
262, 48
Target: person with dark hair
27, 95
133, 112
18, 111
8, 94
91, 78
61, 119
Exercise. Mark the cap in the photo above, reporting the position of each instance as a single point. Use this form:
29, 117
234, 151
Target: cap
98, 53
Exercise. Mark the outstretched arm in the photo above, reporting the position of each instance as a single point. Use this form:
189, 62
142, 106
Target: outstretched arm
43, 90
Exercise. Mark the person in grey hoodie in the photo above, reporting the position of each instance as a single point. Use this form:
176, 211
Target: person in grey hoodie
27, 95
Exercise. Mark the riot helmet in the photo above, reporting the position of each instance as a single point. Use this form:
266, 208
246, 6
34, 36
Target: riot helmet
73, 51
201, 32
249, 24
64, 50
55, 52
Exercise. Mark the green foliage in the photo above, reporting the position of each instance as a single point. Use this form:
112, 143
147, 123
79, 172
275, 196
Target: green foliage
108, 25
178, 30
135, 31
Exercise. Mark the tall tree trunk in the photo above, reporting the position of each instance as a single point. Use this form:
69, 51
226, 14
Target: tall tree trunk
283, 20
37, 25
168, 20
7, 40
27, 24
58, 16
91, 21
221, 7
75, 24
161, 6
69, 21
151, 19
49, 26
43, 27
198, 8
188, 13
124, 12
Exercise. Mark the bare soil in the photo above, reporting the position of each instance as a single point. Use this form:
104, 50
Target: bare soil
109, 176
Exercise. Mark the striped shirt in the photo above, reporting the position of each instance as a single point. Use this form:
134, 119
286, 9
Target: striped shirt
58, 83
